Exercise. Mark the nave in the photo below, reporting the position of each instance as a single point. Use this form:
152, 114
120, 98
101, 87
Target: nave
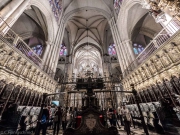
90, 67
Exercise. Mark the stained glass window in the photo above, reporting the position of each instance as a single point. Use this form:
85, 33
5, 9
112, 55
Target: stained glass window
111, 49
63, 51
137, 48
117, 5
56, 7
38, 49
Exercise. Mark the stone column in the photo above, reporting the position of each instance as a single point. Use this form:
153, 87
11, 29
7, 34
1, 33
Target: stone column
47, 54
52, 52
22, 102
118, 49
131, 64
130, 50
18, 94
15, 15
2, 86
59, 41
37, 101
7, 100
9, 9
30, 97
125, 54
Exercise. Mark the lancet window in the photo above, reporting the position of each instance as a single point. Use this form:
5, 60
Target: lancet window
137, 48
111, 49
63, 51
38, 49
56, 7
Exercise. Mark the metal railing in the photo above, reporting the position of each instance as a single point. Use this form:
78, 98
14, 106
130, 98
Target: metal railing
8, 35
164, 35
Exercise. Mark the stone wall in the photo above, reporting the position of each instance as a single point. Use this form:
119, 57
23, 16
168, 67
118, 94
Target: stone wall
159, 74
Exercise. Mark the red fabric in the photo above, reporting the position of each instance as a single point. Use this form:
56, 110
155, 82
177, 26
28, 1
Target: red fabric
78, 121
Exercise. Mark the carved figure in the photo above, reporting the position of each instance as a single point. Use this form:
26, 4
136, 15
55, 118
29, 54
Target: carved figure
174, 54
158, 64
19, 66
7, 91
11, 62
154, 6
2, 55
165, 60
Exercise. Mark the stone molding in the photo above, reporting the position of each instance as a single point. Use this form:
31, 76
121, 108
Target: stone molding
17, 69
162, 64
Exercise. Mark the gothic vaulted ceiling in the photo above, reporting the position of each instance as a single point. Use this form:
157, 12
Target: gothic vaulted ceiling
87, 26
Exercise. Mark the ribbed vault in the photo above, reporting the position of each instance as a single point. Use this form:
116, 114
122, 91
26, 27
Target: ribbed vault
87, 24
88, 58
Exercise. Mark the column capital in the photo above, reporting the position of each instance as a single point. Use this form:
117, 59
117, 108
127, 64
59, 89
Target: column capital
49, 42
145, 4
161, 18
28, 7
126, 41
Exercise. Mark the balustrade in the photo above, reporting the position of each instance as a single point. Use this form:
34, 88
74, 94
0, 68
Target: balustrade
17, 68
163, 65
10, 38
160, 39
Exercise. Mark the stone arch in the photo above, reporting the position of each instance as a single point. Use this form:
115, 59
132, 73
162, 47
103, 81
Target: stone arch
174, 74
12, 79
127, 27
87, 5
44, 7
71, 13
79, 46
122, 17
4, 77
20, 82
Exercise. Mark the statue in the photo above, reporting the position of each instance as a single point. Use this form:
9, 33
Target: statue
19, 66
175, 54
11, 62
2, 55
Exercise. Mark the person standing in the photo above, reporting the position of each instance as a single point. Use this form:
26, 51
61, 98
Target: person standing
63, 119
127, 118
110, 116
115, 119
44, 121
57, 121
120, 115
69, 119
